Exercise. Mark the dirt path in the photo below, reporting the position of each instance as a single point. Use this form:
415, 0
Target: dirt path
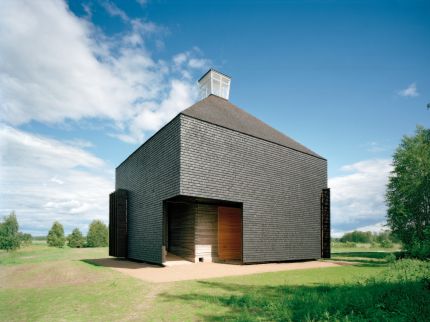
156, 274
147, 301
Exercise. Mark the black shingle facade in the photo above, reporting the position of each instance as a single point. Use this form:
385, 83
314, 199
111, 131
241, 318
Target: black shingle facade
212, 154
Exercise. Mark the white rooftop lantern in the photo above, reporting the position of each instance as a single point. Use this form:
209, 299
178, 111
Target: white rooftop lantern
216, 83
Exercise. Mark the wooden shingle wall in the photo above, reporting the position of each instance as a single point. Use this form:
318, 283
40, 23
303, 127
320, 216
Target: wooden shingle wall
280, 188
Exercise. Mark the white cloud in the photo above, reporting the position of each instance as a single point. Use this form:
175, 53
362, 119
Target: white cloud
375, 147
358, 197
45, 180
114, 11
56, 67
410, 91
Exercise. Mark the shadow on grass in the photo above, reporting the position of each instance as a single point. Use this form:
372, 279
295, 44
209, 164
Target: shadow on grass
376, 255
368, 259
117, 263
373, 301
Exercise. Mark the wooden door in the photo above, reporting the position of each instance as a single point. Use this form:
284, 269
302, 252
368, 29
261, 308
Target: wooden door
229, 233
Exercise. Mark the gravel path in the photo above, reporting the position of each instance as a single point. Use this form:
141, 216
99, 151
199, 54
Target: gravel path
157, 274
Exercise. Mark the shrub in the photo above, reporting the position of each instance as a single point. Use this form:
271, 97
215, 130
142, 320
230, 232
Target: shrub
9, 236
75, 239
97, 234
386, 244
390, 258
56, 235
420, 250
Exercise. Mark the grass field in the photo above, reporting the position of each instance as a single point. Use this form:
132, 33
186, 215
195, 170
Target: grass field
39, 283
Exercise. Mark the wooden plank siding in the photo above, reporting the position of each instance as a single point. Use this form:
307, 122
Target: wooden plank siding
206, 232
181, 222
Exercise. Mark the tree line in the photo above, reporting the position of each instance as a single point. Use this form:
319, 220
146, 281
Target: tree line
11, 238
98, 236
383, 239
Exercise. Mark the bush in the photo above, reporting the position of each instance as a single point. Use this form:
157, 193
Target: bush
75, 239
97, 234
56, 235
9, 236
386, 244
420, 250
390, 258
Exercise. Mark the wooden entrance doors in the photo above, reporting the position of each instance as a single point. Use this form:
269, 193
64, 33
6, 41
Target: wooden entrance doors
229, 233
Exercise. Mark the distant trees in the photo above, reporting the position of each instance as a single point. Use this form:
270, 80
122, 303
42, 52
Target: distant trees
26, 239
9, 237
75, 239
98, 235
408, 193
357, 237
56, 235
383, 239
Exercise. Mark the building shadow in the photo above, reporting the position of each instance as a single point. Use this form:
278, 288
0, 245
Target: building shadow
113, 262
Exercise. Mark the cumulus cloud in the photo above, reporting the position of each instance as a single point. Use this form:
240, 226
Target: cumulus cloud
410, 91
358, 196
56, 67
45, 180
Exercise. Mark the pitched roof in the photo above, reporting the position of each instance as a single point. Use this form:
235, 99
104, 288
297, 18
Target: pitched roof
218, 111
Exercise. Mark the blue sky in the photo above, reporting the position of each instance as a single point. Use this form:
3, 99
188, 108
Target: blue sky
82, 84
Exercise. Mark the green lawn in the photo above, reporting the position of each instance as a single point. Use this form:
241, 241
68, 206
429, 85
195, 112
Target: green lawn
39, 283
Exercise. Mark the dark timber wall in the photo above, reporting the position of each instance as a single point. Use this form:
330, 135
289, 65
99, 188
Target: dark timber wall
118, 223
280, 188
325, 227
150, 175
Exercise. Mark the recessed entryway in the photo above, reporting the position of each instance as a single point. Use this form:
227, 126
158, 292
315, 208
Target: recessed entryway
195, 229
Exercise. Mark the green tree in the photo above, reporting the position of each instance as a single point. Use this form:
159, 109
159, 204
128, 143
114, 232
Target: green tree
56, 235
25, 239
408, 193
97, 234
75, 239
9, 236
357, 237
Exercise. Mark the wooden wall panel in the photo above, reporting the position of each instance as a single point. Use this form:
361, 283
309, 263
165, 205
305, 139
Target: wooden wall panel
118, 223
229, 233
325, 224
206, 232
181, 222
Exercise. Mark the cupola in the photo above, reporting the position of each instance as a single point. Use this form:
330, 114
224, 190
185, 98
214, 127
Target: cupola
216, 83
